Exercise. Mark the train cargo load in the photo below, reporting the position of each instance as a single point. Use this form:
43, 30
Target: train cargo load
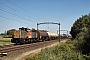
52, 36
42, 35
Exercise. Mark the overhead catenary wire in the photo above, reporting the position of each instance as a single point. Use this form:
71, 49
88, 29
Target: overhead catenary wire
18, 12
24, 9
13, 19
16, 15
20, 8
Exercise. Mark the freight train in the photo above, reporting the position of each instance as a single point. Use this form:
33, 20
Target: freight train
25, 35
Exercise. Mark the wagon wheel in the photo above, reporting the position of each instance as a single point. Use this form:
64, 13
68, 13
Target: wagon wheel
43, 39
16, 42
29, 41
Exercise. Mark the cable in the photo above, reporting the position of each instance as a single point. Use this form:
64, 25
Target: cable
16, 15
24, 9
13, 19
18, 12
15, 10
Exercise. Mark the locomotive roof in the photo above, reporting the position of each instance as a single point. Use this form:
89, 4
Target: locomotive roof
24, 28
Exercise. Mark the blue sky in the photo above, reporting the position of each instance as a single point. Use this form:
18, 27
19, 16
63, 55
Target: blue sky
27, 13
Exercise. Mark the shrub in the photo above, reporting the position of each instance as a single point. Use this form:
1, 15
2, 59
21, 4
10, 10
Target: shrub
63, 51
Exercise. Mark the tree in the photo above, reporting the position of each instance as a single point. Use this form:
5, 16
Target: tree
43, 30
5, 33
80, 24
33, 30
86, 46
10, 32
80, 31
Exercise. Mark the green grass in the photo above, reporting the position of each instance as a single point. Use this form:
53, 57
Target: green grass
63, 51
5, 41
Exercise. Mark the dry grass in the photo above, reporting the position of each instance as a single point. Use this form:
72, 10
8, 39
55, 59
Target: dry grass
5, 41
1, 38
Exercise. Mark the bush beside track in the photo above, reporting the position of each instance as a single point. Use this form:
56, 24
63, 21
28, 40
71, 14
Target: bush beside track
63, 51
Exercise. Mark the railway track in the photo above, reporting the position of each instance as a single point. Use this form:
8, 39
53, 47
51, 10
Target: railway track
4, 50
4, 46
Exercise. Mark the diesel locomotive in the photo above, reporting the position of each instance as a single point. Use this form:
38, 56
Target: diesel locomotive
25, 35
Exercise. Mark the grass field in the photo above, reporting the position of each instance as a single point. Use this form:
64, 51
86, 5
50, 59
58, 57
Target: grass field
5, 41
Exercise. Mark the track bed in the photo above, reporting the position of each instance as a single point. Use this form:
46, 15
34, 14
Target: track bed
16, 50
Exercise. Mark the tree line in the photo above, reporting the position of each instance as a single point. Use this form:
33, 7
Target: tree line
80, 31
